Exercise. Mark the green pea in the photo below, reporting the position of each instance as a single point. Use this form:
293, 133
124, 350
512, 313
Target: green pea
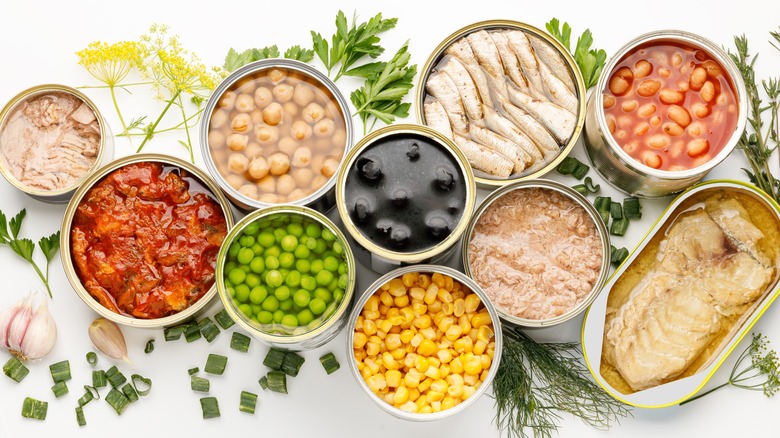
343, 281
330, 263
316, 266
274, 278
272, 262
231, 291
273, 251
289, 243
246, 309
338, 294
342, 268
280, 220
257, 265
282, 293
264, 223
334, 284
293, 279
290, 321
324, 277
286, 260
245, 255
246, 241
278, 315
337, 248
258, 294
324, 294
286, 305
301, 298
279, 234
229, 266
305, 316
252, 280
311, 244
233, 249
244, 268
308, 282
242, 293
256, 308
295, 229
302, 252
270, 304
317, 306
252, 228
328, 235
313, 230
266, 238
265, 317
236, 276
303, 266
321, 247
257, 248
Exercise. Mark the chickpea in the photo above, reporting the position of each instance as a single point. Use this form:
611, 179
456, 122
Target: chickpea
340, 138
263, 97
669, 96
324, 128
313, 113
267, 184
277, 75
216, 139
609, 101
248, 190
258, 168
332, 111
235, 181
283, 92
253, 150
288, 145
219, 156
218, 119
267, 134
279, 163
648, 87
268, 198
285, 184
238, 163
300, 130
642, 68
318, 181
237, 142
296, 195
679, 115
245, 103
272, 114
302, 176
227, 101
257, 116
301, 157
324, 145
329, 167
291, 109
303, 94
697, 147
241, 123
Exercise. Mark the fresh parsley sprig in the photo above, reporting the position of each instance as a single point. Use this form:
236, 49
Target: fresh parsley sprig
590, 61
24, 248
234, 59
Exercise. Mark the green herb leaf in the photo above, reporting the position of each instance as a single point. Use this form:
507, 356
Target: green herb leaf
50, 246
299, 54
562, 35
320, 45
16, 222
590, 61
234, 60
23, 247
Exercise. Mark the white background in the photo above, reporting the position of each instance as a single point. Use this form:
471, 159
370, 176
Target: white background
38, 42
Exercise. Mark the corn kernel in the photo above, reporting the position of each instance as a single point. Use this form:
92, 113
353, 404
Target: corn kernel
436, 406
417, 293
483, 376
421, 364
372, 366
449, 283
397, 287
359, 323
412, 378
463, 345
479, 347
444, 370
416, 340
455, 392
384, 324
471, 380
426, 348
473, 365
421, 403
376, 382
393, 378
438, 279
424, 385
453, 333
430, 294
429, 333
406, 336
360, 355
491, 349
434, 396
393, 311
486, 361
468, 391
408, 407
409, 279
369, 327
485, 333
432, 372
448, 402
395, 329
365, 371
471, 303
444, 356
464, 323
389, 361
409, 360
371, 314
401, 395
457, 294
414, 394
408, 313
398, 354
448, 308
434, 362
456, 366
444, 295
445, 323
372, 304
427, 409
434, 307
388, 397
422, 321
402, 301
359, 340
480, 319
424, 281
419, 308
439, 386
459, 307
383, 310
372, 348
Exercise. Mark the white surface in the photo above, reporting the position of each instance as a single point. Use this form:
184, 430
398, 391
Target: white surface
38, 45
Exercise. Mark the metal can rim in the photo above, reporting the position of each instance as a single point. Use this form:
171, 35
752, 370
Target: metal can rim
579, 84
594, 215
65, 243
447, 144
456, 275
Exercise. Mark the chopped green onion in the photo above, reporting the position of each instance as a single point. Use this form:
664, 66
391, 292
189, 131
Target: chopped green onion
224, 320
330, 363
86, 398
35, 409
632, 209
93, 391
192, 371
215, 364
274, 358
618, 255
603, 205
199, 384
292, 363
143, 382
580, 171
248, 402
130, 393
192, 333
115, 377
92, 358
277, 381
581, 189
616, 211
60, 371
99, 379
572, 166
590, 186
175, 332
15, 369
210, 407
208, 329
118, 400
263, 382
59, 389
80, 416
149, 346
619, 227
240, 342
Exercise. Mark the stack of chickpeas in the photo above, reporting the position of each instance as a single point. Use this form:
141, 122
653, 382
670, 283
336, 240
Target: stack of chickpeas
424, 343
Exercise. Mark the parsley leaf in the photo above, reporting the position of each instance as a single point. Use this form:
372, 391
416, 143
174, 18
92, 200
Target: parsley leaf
590, 61
25, 248
235, 60
299, 54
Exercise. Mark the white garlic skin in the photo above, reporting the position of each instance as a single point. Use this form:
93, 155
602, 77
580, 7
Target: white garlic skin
26, 333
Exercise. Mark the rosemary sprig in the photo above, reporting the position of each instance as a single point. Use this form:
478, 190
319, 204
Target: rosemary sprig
759, 141
537, 382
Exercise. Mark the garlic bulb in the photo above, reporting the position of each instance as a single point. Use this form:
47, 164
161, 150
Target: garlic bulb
26, 333
107, 337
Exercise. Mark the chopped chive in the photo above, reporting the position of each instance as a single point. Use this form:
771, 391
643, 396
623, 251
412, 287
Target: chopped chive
632, 209
15, 369
144, 383
92, 358
274, 358
277, 381
115, 377
580, 171
175, 332
208, 329
240, 342
330, 363
118, 400
59, 389
616, 211
603, 205
215, 364
292, 363
590, 186
35, 409
581, 189
192, 371
619, 227
263, 382
210, 407
80, 416
130, 392
60, 371
92, 390
149, 346
618, 255
199, 384
99, 379
248, 402
223, 319
86, 398
192, 333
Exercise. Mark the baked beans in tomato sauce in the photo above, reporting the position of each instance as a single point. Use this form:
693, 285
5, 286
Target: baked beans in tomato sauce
670, 106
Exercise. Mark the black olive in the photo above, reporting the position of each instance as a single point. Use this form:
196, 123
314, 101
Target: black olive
444, 178
437, 225
384, 226
363, 210
400, 236
414, 152
369, 169
400, 198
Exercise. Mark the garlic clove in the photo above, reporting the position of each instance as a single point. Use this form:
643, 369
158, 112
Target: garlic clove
6, 319
41, 334
26, 333
19, 324
107, 337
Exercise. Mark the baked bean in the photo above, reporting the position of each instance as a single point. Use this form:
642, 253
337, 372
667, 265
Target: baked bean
313, 112
220, 119
291, 109
283, 92
324, 128
303, 95
611, 125
248, 190
700, 110
238, 163
263, 97
677, 148
245, 103
235, 181
665, 72
669, 96
653, 160
279, 163
630, 105
642, 68
609, 102
677, 60
258, 168
723, 99
237, 142
698, 76
624, 122
646, 110
655, 121
621, 135
267, 184
697, 147
621, 81
708, 92
272, 114
677, 168
277, 75
285, 184
631, 147
679, 115
713, 69
216, 139
696, 129
241, 123
266, 134
641, 129
703, 159
329, 167
300, 130
227, 101
673, 129
288, 145
657, 141
301, 157
303, 176
648, 87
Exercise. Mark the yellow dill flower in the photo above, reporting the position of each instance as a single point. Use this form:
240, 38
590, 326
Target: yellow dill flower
110, 63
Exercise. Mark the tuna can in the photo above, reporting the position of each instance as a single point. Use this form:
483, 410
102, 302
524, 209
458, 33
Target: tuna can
506, 114
649, 164
196, 182
274, 132
405, 194
547, 207
494, 336
83, 143
320, 326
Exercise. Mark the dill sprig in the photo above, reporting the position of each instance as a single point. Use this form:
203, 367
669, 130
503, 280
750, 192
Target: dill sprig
761, 373
538, 382
760, 140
